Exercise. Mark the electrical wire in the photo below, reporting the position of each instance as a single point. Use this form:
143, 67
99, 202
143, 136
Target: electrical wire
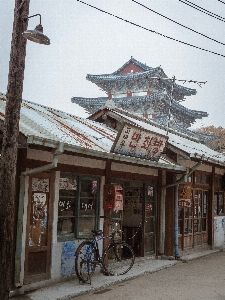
150, 30
221, 1
203, 10
177, 22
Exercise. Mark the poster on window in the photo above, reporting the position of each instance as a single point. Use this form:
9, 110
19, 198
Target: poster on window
67, 184
135, 141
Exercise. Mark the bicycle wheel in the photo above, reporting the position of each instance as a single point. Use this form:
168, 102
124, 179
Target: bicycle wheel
118, 259
85, 261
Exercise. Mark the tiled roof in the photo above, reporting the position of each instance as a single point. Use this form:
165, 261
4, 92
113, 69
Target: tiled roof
136, 62
140, 103
147, 79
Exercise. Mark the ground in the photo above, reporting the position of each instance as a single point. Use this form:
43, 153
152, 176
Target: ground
202, 278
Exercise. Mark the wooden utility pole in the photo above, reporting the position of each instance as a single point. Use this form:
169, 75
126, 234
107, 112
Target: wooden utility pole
9, 148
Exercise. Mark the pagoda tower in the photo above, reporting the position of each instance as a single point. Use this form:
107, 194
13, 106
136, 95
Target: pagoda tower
145, 91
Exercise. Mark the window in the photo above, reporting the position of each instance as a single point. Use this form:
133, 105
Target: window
78, 206
202, 178
219, 203
194, 219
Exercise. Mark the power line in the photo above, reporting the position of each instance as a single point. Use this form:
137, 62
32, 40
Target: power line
203, 10
150, 30
177, 22
221, 1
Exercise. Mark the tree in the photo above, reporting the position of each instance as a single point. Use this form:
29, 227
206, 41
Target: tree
217, 140
10, 146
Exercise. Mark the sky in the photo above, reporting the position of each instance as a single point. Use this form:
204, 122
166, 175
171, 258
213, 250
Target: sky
87, 41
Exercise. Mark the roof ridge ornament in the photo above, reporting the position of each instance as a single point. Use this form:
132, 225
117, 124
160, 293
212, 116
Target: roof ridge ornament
110, 104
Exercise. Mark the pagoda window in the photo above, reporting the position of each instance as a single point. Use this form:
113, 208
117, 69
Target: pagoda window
129, 94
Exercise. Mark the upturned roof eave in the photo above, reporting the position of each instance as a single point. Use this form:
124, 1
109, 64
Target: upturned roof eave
94, 101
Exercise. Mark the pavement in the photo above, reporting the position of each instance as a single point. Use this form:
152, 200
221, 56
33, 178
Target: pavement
72, 288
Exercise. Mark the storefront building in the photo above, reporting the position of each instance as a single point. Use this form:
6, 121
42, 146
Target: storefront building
62, 173
65, 162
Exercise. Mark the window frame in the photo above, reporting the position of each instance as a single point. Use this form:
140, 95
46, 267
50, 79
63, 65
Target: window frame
76, 213
217, 195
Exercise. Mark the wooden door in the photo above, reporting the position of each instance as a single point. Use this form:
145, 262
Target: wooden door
39, 228
148, 222
200, 231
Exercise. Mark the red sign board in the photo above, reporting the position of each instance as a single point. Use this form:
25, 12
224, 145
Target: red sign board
184, 203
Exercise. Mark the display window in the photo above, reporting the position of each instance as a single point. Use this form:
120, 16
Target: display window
77, 206
219, 203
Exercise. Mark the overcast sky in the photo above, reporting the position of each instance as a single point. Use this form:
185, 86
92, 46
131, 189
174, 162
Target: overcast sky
87, 41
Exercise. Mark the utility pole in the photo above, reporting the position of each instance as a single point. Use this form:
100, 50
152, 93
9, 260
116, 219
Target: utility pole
9, 147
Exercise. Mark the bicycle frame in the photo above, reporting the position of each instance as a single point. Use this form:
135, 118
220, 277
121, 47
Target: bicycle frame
116, 259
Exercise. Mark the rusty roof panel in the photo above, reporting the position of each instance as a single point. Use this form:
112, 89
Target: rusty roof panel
48, 123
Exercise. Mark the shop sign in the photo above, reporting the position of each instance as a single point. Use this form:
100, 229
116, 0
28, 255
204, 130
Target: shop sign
184, 195
184, 203
138, 142
185, 190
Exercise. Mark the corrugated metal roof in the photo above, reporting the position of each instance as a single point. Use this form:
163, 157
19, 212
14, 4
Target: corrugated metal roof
47, 126
189, 145
48, 123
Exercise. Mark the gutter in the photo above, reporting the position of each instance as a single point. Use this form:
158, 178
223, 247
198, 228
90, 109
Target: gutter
18, 254
183, 179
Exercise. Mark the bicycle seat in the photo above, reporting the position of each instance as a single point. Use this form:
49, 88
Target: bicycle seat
97, 232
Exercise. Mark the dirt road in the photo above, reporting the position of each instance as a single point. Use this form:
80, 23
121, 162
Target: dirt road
199, 279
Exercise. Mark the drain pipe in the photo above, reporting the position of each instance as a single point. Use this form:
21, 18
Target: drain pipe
183, 179
19, 237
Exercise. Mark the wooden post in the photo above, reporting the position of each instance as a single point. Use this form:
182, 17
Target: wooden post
169, 216
107, 212
10, 146
211, 209
158, 219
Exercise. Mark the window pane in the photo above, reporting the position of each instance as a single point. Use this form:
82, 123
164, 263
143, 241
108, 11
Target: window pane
221, 203
87, 206
66, 226
204, 224
66, 205
205, 205
215, 203
149, 243
86, 225
89, 188
197, 177
188, 225
149, 225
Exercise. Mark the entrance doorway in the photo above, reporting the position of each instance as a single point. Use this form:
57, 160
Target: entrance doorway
39, 228
193, 221
139, 214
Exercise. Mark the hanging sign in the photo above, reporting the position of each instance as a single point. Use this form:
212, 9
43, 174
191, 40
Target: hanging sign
138, 142
184, 203
184, 195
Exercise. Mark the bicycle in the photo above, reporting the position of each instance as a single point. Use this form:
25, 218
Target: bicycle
117, 259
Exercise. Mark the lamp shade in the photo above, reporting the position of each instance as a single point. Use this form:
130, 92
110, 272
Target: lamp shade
37, 35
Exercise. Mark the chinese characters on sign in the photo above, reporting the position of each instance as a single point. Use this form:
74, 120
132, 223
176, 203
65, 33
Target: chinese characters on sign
137, 142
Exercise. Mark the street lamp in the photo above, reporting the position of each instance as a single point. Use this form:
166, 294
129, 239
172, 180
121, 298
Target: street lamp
8, 167
36, 35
